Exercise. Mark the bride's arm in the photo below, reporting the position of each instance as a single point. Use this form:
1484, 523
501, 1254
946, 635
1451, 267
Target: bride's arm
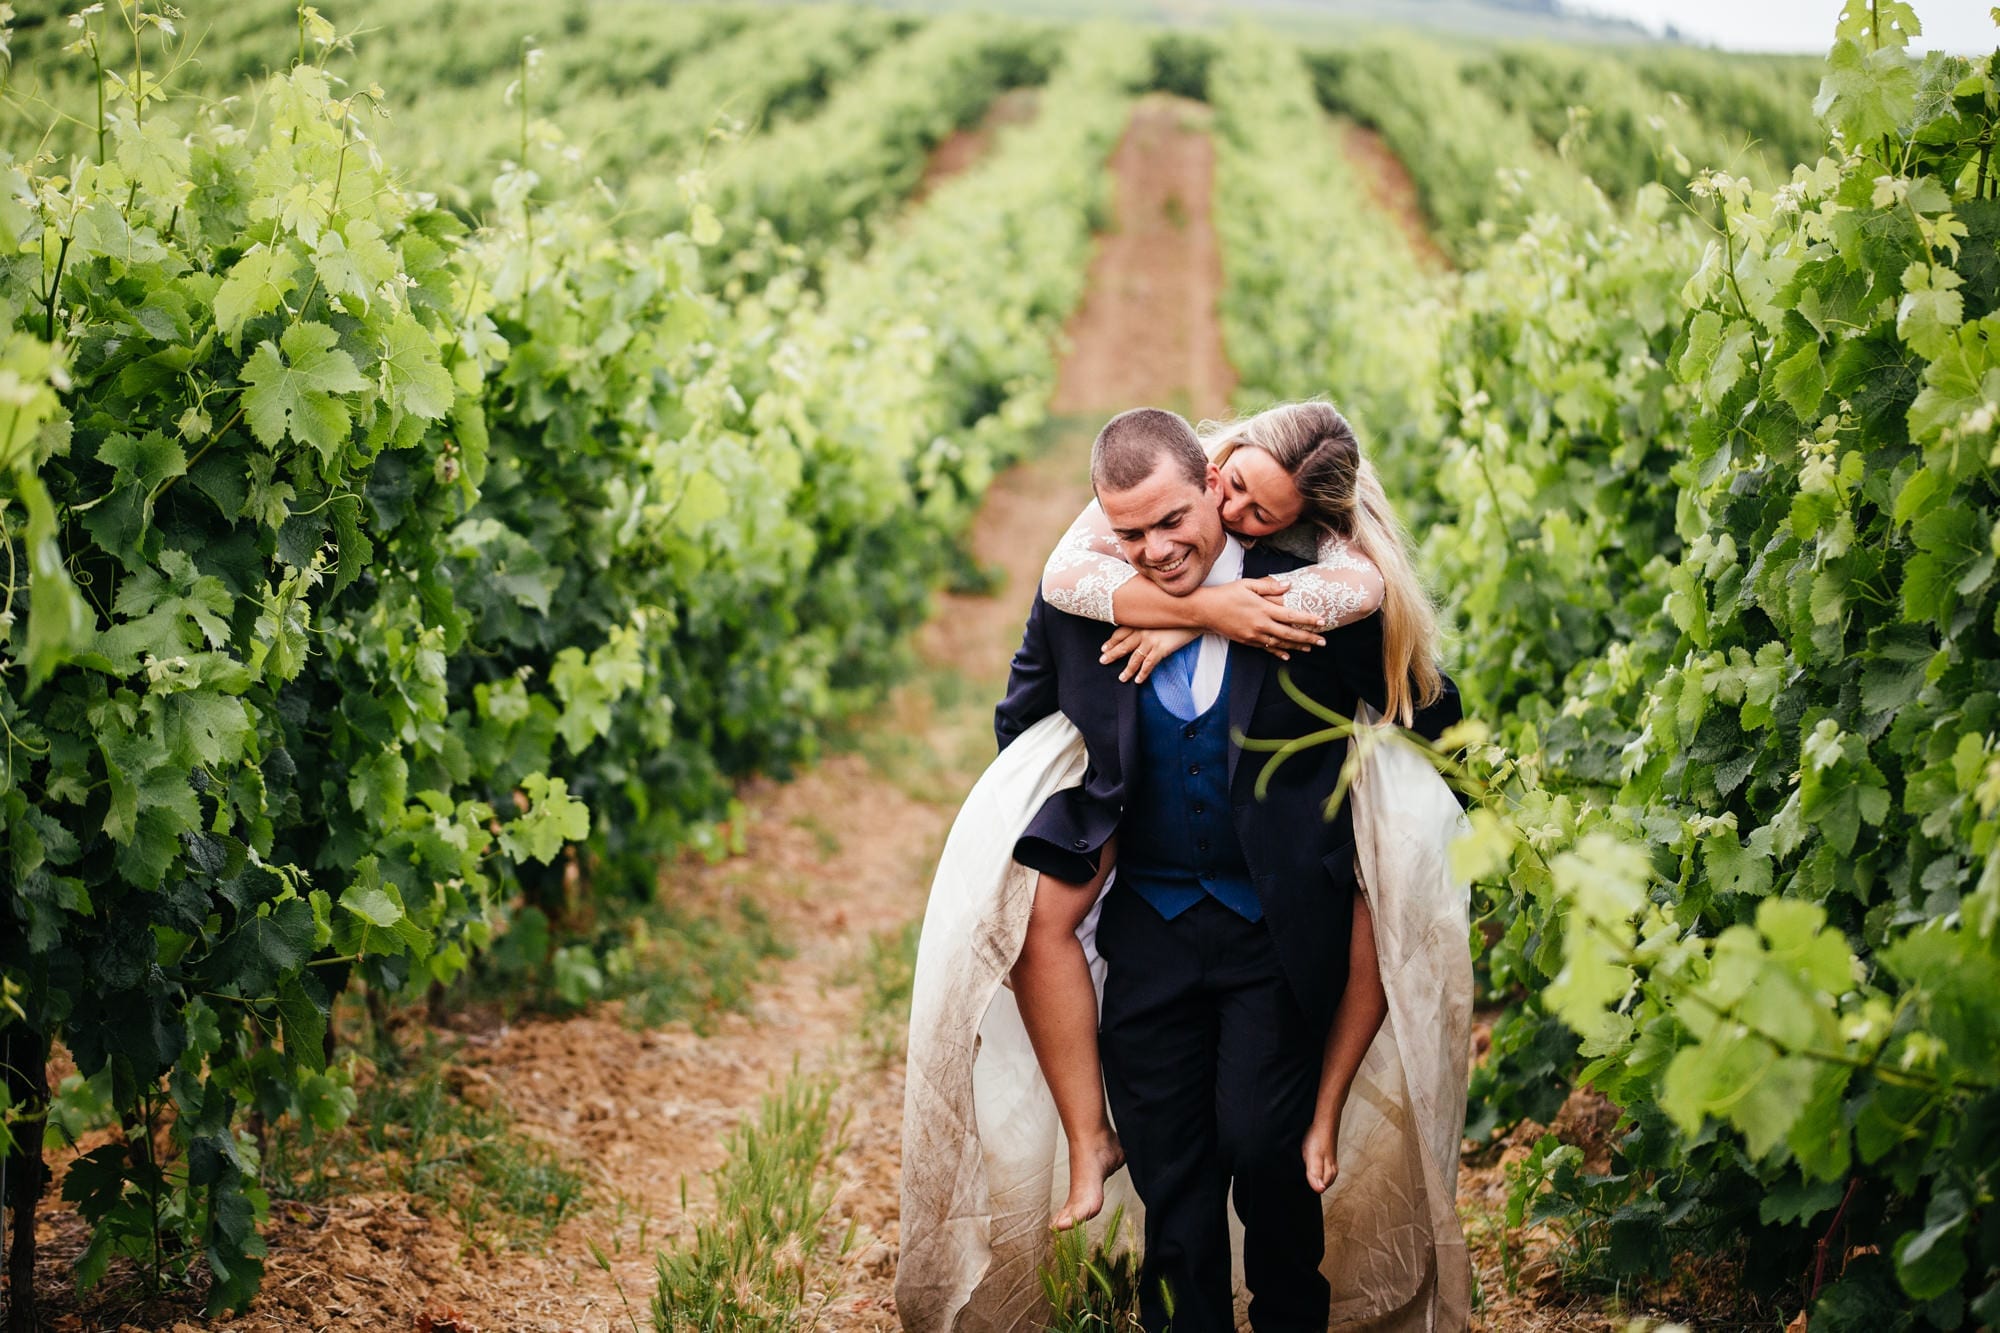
1086, 571
1087, 575
1342, 587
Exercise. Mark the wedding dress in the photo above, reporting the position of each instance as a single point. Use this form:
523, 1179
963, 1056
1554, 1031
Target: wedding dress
983, 1153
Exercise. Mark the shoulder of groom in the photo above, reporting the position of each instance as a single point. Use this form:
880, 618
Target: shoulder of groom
1265, 558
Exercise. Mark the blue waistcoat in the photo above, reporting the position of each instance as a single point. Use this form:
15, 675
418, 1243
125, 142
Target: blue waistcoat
1178, 839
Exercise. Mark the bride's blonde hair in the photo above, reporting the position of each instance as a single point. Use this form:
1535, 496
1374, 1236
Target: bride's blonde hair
1317, 449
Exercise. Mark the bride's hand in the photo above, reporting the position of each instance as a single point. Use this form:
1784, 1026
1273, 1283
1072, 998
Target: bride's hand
1144, 649
1252, 612
1318, 1150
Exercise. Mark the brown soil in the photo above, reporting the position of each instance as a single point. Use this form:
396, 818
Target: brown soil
1393, 191
1147, 334
836, 856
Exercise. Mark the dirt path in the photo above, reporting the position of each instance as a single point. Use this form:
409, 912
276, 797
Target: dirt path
1147, 334
961, 148
1392, 189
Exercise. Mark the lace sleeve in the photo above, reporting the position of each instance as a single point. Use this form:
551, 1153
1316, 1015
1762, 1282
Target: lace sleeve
1344, 586
1086, 568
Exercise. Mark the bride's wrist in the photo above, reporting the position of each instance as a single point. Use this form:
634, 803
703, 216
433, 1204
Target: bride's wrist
1204, 610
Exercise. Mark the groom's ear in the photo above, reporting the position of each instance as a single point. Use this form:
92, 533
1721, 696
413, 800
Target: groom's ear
1212, 481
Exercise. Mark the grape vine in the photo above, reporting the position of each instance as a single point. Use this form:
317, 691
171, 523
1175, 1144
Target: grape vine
362, 565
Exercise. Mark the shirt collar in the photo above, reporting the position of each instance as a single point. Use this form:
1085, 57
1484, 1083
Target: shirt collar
1228, 566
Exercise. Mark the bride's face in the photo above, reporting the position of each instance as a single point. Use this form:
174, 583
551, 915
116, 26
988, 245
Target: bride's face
1258, 499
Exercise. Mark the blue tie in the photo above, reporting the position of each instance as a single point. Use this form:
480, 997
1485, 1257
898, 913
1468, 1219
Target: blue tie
1173, 682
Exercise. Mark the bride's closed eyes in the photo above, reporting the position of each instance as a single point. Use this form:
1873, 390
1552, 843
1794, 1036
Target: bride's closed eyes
1258, 498
1234, 479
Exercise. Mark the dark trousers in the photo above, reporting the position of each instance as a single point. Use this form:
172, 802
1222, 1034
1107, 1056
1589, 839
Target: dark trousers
1211, 1069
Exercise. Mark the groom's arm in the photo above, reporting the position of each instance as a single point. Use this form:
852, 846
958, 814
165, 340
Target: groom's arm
1065, 836
1031, 680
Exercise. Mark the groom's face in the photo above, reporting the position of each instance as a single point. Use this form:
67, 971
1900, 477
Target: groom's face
1170, 528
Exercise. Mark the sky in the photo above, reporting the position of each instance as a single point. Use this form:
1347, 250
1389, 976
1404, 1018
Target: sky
1797, 25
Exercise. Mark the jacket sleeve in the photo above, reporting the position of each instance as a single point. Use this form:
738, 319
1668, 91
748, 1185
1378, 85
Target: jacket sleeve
1031, 681
1349, 666
1446, 711
1065, 837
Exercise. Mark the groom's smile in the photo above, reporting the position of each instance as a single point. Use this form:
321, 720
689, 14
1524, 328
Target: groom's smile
1169, 528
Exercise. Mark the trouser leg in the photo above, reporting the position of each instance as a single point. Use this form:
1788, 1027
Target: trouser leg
1158, 1038
1268, 1061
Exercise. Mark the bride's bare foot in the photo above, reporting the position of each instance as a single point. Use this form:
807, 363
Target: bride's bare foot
1089, 1167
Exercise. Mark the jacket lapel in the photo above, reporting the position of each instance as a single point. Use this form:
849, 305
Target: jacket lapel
1247, 667
1128, 727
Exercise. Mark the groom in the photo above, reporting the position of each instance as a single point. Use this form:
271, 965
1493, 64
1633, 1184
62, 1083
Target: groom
1228, 928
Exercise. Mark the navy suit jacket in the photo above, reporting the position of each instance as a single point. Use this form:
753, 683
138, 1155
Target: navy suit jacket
1301, 863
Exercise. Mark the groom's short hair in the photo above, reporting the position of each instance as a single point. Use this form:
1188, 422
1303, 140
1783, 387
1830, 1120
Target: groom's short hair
1134, 443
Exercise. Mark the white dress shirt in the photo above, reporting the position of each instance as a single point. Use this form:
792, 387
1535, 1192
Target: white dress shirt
1214, 649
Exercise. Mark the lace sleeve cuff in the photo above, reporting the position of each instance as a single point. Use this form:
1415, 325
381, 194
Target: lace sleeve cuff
1344, 586
1085, 571
1330, 601
1085, 584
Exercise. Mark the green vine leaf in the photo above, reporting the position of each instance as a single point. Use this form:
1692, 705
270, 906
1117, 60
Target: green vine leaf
298, 394
256, 285
265, 950
553, 817
416, 380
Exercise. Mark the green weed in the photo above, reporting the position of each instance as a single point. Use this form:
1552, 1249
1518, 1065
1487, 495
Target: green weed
888, 973
756, 1265
954, 691
413, 1130
664, 961
1093, 1287
907, 762
825, 840
695, 967
603, 1261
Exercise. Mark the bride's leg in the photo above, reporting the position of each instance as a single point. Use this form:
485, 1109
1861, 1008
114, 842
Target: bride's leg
1059, 1009
1363, 1006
